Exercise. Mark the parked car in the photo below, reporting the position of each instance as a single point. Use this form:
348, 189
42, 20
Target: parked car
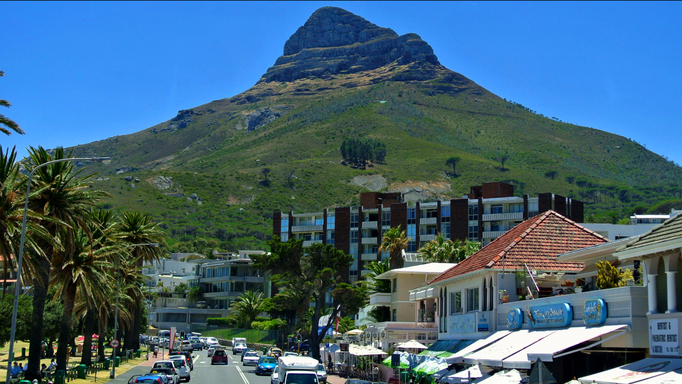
303, 347
321, 373
244, 352
169, 368
250, 358
219, 357
265, 365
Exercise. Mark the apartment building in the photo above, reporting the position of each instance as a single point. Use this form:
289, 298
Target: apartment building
488, 211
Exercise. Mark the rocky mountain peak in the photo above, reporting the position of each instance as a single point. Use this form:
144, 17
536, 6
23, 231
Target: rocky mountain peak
334, 41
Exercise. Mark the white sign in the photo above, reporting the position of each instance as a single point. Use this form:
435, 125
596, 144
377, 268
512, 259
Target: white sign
462, 323
663, 337
171, 339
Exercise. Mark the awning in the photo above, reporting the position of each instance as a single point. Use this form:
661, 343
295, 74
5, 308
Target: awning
475, 346
672, 377
635, 372
439, 347
550, 346
493, 354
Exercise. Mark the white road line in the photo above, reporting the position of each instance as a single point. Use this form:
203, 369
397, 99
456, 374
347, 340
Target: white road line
242, 375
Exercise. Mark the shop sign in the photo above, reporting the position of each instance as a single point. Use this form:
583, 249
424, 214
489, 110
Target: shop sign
663, 337
463, 323
514, 319
483, 323
594, 312
550, 316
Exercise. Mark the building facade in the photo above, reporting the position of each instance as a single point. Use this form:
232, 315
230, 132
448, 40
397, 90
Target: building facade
484, 214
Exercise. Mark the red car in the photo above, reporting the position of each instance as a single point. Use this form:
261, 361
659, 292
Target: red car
219, 356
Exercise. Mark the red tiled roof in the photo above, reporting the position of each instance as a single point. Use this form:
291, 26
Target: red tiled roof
535, 242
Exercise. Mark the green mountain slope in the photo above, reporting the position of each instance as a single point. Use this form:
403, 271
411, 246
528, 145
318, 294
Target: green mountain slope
388, 87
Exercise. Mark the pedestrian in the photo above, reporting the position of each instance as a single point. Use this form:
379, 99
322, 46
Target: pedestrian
330, 365
52, 365
15, 370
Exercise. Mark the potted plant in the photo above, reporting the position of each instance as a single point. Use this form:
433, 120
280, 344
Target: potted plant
568, 283
505, 298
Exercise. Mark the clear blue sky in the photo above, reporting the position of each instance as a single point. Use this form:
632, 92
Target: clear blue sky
77, 72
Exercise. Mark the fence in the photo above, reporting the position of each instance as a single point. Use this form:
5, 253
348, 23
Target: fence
251, 335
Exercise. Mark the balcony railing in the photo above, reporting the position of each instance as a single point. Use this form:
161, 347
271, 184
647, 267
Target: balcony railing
503, 216
369, 225
427, 221
369, 257
369, 240
306, 228
427, 237
308, 243
380, 299
492, 234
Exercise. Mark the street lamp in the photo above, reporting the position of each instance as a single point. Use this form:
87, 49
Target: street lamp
118, 272
17, 287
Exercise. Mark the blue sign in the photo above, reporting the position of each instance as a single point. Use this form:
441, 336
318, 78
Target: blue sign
482, 323
550, 316
594, 312
514, 319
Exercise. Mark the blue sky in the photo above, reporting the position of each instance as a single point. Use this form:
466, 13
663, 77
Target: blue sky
78, 72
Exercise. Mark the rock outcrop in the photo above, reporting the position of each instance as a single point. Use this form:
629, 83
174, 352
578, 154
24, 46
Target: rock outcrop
335, 41
260, 117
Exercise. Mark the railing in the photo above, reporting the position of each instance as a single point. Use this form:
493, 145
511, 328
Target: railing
427, 221
369, 257
503, 216
492, 234
369, 240
380, 299
308, 243
369, 225
427, 237
306, 228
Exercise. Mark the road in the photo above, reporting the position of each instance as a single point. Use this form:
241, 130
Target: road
233, 373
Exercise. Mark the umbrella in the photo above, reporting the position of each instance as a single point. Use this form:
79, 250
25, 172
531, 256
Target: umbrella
412, 344
404, 359
502, 377
354, 332
474, 372
431, 366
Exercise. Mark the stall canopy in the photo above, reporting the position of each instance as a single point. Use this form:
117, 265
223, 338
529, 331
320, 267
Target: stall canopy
458, 357
672, 377
502, 377
637, 372
493, 354
412, 344
439, 347
551, 346
474, 372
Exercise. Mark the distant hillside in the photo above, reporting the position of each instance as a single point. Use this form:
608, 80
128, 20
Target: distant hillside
202, 172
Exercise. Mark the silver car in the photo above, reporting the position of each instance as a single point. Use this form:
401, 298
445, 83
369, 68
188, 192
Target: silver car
321, 373
251, 358
181, 366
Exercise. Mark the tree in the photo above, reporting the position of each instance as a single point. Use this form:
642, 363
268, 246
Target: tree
394, 241
23, 330
452, 161
441, 250
6, 123
63, 196
503, 160
312, 273
378, 285
551, 174
249, 306
195, 294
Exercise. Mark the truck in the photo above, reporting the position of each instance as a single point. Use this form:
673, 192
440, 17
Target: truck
297, 370
236, 340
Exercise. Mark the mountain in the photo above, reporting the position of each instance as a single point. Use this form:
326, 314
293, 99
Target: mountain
219, 170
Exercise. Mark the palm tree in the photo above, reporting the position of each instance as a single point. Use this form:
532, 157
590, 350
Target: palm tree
249, 306
81, 265
138, 228
441, 250
63, 198
377, 268
395, 241
9, 123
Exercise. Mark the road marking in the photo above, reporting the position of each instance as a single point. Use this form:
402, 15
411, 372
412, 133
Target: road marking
242, 375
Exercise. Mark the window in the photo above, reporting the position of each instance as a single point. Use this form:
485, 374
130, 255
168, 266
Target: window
319, 221
473, 233
516, 208
394, 284
412, 246
445, 212
411, 231
455, 302
472, 299
395, 315
331, 222
496, 209
473, 212
445, 230
496, 226
285, 236
354, 220
411, 216
354, 236
385, 218
330, 237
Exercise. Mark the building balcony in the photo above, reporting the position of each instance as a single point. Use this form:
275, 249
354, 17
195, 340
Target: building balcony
492, 234
383, 299
368, 257
427, 221
306, 228
308, 243
422, 293
369, 240
427, 237
369, 225
503, 216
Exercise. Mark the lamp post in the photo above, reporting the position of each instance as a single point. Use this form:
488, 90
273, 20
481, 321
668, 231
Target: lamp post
17, 287
118, 272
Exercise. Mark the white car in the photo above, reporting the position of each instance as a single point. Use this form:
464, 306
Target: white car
274, 377
251, 358
211, 351
181, 366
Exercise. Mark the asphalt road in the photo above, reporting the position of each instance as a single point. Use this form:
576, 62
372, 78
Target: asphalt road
233, 373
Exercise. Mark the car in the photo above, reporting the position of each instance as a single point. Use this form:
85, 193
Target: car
167, 377
250, 358
290, 354
304, 346
246, 350
275, 352
188, 358
187, 346
321, 373
182, 367
219, 356
210, 340
274, 378
239, 348
197, 345
265, 365
169, 368
148, 379
203, 341
214, 344
211, 350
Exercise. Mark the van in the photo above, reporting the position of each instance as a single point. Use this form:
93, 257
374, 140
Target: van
297, 370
